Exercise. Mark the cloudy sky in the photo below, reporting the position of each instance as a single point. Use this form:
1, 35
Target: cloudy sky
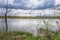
28, 5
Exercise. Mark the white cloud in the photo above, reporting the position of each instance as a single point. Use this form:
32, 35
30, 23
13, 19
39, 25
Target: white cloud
57, 2
19, 12
34, 3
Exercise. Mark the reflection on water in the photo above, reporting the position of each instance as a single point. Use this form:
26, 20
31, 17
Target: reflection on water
29, 25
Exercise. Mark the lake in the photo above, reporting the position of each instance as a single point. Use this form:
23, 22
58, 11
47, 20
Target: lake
30, 25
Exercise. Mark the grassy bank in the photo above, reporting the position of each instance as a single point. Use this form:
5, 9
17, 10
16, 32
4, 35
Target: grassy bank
18, 35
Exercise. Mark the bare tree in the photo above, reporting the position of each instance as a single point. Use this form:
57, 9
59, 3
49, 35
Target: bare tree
6, 16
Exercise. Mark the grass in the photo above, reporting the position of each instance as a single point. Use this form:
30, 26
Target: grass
18, 35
